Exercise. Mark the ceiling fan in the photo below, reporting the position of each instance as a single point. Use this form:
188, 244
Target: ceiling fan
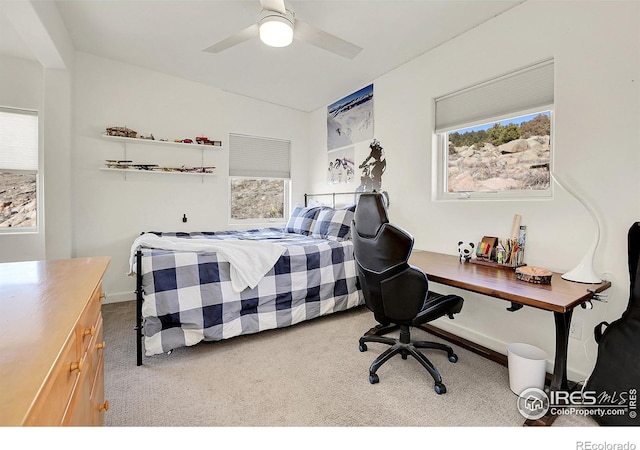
277, 27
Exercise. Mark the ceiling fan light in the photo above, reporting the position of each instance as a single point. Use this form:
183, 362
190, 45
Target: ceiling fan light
276, 31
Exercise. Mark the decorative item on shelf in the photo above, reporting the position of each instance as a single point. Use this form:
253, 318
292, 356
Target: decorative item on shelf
196, 169
150, 137
118, 164
203, 140
465, 250
121, 131
145, 166
185, 169
537, 275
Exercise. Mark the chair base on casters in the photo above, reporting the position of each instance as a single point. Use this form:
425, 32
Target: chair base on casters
405, 346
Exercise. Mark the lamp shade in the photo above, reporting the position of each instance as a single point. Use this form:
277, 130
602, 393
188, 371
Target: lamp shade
276, 31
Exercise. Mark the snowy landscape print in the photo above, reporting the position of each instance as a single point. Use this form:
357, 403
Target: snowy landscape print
350, 119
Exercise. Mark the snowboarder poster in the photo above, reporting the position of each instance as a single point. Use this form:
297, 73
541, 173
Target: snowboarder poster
350, 119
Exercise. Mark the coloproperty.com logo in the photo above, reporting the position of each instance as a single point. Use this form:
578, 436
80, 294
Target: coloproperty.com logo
534, 403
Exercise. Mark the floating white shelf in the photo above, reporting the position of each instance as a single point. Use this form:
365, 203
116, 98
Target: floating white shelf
127, 140
112, 169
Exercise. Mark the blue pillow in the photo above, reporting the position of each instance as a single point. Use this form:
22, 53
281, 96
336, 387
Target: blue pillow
302, 220
334, 224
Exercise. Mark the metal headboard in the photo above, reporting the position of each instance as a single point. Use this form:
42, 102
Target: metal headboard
341, 194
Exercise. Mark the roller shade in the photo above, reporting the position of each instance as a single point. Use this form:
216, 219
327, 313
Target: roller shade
524, 90
251, 156
18, 139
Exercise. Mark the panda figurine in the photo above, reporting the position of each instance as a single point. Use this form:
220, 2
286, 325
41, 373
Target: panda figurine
465, 250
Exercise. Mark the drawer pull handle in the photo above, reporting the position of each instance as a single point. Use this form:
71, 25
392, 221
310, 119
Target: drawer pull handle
104, 406
101, 345
76, 366
89, 331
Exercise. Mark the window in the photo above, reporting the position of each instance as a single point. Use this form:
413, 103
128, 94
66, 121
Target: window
494, 140
259, 179
18, 170
257, 198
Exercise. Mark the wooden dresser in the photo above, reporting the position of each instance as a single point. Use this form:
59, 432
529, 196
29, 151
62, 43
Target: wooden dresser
51, 344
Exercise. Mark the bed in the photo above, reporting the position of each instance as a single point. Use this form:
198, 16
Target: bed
193, 287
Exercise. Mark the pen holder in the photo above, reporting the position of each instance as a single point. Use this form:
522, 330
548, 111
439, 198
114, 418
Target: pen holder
510, 253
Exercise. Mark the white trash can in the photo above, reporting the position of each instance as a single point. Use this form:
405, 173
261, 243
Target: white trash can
527, 367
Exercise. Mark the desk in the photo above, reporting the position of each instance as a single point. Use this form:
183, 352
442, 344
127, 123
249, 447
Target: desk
559, 297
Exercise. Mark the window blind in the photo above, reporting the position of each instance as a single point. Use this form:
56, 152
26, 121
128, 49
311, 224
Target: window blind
251, 156
18, 139
526, 89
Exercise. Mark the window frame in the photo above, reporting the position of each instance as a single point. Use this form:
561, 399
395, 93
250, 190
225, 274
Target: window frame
522, 91
259, 158
37, 172
254, 221
441, 167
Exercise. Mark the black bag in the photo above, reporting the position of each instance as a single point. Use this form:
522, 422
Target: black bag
616, 376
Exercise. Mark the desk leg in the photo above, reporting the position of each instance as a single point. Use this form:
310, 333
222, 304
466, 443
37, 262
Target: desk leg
559, 377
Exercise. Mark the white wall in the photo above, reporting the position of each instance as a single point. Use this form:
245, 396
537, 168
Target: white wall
110, 212
21, 83
57, 144
47, 84
596, 46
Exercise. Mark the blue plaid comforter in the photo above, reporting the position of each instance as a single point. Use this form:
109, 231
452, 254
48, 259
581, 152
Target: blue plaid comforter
188, 298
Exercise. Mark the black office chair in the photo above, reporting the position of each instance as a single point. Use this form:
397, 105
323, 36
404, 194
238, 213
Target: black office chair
396, 292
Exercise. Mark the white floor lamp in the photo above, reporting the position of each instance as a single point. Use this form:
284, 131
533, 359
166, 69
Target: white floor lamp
583, 272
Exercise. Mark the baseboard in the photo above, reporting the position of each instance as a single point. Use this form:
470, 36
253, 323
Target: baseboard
466, 344
118, 297
486, 352
494, 348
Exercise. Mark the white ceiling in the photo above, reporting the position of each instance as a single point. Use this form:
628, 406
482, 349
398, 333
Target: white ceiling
170, 36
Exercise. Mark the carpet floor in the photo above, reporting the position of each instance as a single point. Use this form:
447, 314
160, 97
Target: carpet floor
307, 375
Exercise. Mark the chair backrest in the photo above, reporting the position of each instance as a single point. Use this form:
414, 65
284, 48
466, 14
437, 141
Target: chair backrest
393, 290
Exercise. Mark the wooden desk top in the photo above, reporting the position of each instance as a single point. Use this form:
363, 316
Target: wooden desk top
40, 303
559, 296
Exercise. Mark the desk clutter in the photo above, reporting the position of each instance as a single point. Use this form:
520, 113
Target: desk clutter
493, 251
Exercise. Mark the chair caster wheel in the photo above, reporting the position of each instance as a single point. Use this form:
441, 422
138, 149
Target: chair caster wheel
363, 347
373, 378
453, 358
440, 388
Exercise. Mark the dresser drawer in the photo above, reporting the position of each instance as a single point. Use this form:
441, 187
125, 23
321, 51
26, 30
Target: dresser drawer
98, 403
96, 348
87, 323
78, 412
50, 408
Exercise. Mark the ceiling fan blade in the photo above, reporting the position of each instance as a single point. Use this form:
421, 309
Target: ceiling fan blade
327, 41
244, 35
274, 5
